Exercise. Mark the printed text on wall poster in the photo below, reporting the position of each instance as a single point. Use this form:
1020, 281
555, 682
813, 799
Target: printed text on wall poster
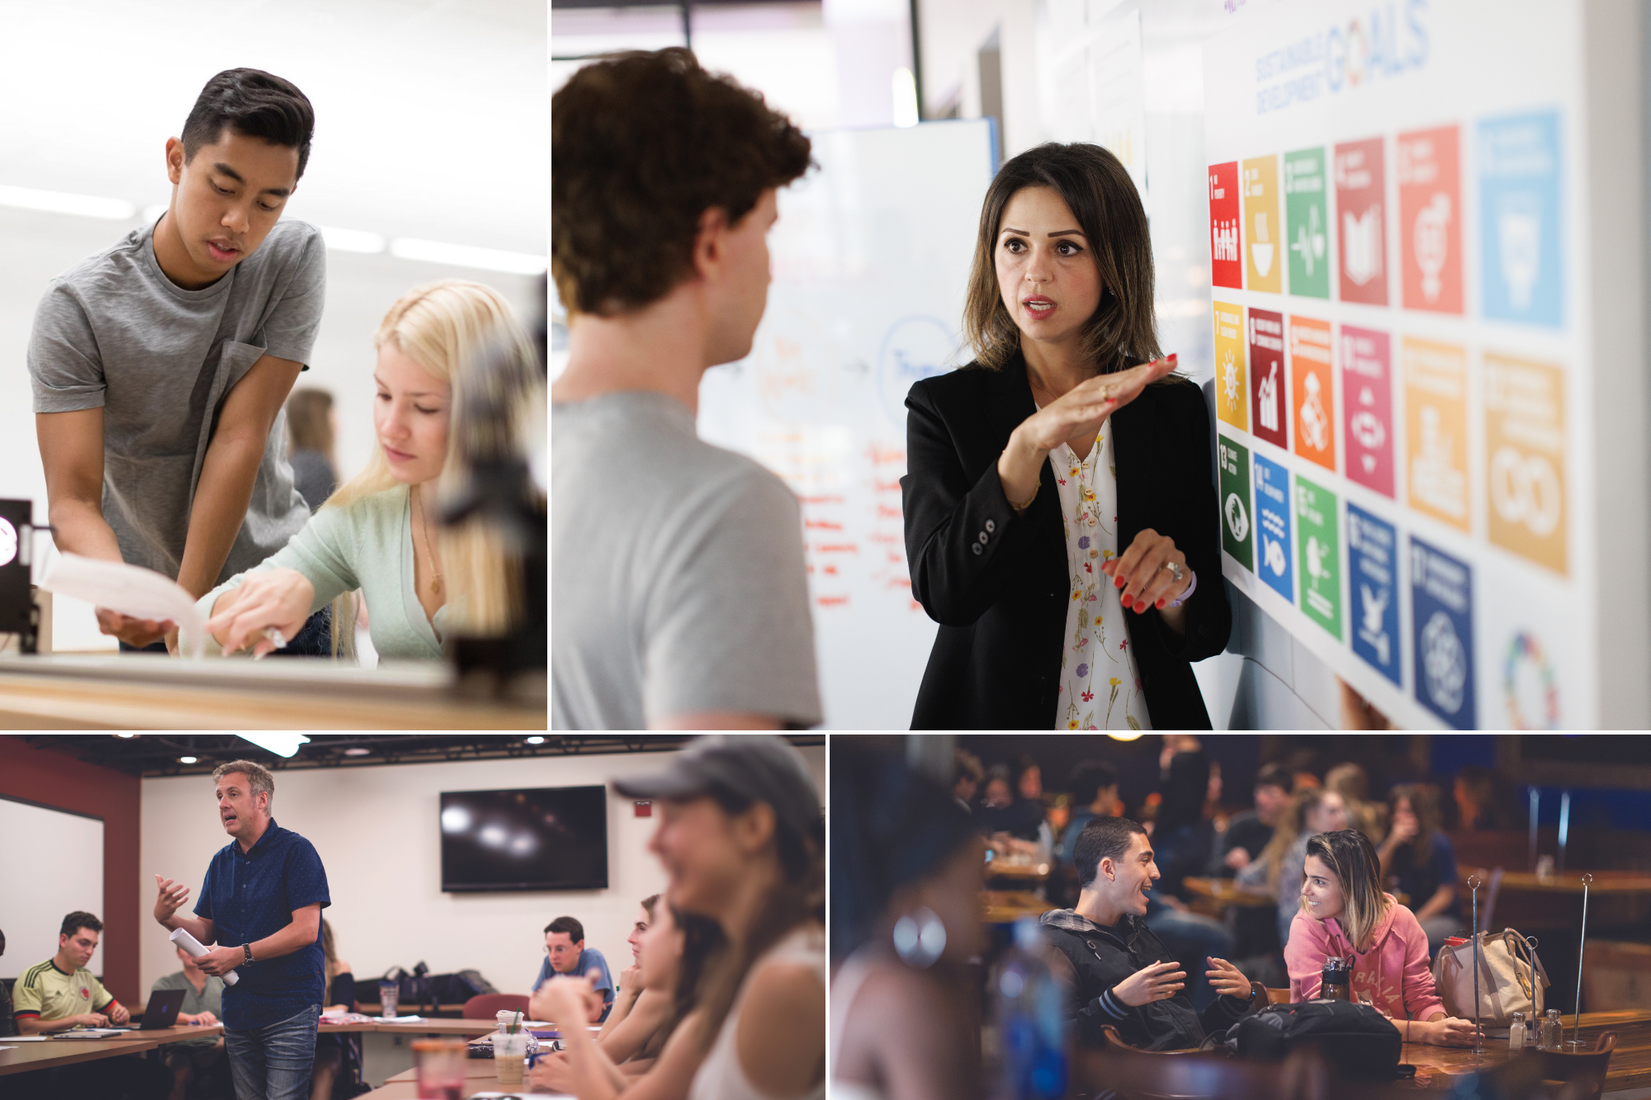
1268, 391
1314, 392
1263, 243
1436, 429
1373, 581
1362, 242
1232, 394
1319, 552
1519, 215
1441, 614
1430, 215
1272, 520
1234, 462
1525, 458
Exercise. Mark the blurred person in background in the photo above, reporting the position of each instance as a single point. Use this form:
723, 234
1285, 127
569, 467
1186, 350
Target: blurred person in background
742, 838
311, 432
1351, 782
1418, 859
677, 567
1248, 832
1119, 970
966, 766
674, 953
1013, 822
1477, 804
905, 917
1094, 786
1344, 913
203, 1005
1278, 871
1180, 842
630, 991
337, 996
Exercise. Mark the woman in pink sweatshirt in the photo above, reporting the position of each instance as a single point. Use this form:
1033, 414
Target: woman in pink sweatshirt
1345, 913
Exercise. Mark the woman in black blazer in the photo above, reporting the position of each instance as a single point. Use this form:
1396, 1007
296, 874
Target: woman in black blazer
1015, 558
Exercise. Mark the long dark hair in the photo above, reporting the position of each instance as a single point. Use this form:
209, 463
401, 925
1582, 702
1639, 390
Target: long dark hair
1424, 803
799, 898
890, 826
1349, 855
702, 944
1097, 189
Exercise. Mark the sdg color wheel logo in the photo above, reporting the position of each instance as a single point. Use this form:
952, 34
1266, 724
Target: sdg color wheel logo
8, 542
1529, 685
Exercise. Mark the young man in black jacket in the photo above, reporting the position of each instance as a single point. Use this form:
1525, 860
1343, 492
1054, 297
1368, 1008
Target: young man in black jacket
1120, 973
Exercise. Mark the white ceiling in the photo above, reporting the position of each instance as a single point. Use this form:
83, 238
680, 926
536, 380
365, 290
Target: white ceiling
432, 116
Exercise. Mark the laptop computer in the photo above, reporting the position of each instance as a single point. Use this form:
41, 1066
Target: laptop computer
161, 1012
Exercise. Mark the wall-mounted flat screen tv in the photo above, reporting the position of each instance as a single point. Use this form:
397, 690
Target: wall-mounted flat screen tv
539, 838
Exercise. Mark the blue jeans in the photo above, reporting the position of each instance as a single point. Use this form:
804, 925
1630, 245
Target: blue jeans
273, 1062
1191, 937
314, 639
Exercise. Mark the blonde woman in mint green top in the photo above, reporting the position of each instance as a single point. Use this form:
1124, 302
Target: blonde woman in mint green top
378, 532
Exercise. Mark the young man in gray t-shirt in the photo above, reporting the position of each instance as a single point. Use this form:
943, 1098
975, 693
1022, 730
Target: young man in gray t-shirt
677, 569
160, 366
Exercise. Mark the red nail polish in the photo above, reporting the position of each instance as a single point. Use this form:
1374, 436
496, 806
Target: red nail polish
1160, 601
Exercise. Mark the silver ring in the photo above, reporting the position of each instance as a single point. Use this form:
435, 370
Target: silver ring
277, 637
1175, 571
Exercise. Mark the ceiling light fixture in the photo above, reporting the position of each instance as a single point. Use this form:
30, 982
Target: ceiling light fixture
463, 255
281, 744
186, 759
126, 736
357, 752
64, 202
535, 740
352, 240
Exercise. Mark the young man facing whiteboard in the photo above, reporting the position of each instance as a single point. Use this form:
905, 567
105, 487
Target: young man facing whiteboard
677, 567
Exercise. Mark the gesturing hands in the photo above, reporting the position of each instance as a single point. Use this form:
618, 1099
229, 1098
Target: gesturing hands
1225, 978
169, 899
136, 633
1158, 982
1085, 407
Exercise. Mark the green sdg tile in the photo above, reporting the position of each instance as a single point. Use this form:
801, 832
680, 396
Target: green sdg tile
1318, 549
1236, 520
1307, 228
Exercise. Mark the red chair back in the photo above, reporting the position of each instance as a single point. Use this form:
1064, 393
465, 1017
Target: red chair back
484, 1006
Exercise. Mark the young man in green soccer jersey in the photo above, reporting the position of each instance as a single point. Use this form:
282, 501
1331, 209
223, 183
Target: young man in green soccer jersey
160, 365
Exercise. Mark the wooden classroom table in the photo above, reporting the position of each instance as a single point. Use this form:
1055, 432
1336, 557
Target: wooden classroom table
1024, 871
23, 1057
149, 691
1224, 891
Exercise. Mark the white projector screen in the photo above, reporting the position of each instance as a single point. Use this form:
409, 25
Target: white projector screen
52, 864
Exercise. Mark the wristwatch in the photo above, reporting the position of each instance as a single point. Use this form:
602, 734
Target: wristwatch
247, 947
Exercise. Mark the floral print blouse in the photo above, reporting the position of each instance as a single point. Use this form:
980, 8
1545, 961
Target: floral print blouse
1100, 688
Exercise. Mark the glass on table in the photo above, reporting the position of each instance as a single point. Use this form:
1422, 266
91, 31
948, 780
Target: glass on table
440, 1067
389, 998
509, 1052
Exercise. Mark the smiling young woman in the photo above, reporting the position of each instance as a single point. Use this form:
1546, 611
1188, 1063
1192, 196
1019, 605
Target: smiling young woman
1058, 500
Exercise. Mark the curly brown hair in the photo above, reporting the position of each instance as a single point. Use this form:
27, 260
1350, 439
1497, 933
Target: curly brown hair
642, 145
1097, 189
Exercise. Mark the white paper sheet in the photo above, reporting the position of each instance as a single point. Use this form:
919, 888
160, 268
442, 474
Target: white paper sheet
183, 938
128, 589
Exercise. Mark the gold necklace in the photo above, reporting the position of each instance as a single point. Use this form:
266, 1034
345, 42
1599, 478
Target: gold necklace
424, 525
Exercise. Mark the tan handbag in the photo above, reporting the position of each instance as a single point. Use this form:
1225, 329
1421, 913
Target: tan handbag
1511, 978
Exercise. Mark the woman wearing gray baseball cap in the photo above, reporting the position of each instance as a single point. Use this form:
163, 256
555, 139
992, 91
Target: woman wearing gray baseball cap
742, 838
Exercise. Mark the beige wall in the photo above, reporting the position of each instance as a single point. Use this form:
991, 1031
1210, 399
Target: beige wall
376, 831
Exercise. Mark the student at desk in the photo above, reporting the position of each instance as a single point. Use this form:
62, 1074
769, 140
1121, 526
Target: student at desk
160, 365
61, 993
380, 531
203, 1003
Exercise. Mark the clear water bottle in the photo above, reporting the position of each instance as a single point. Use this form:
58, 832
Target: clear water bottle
1031, 1020
1553, 1032
1516, 1033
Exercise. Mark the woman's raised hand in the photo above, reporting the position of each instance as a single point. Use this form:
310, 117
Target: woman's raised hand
1146, 571
1085, 407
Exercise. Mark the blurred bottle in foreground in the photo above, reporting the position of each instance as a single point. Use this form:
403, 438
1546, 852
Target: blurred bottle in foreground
1032, 1027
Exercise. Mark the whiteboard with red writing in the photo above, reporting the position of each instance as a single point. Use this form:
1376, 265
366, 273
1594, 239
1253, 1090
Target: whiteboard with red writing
870, 258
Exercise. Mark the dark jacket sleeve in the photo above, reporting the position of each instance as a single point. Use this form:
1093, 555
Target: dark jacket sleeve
1198, 515
1225, 1011
963, 540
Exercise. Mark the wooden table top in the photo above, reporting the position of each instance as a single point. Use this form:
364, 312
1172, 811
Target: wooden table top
1605, 882
1008, 906
1225, 891
22, 1057
1005, 868
1630, 1063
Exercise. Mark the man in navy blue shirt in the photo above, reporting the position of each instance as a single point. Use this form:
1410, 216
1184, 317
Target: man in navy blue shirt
262, 902
566, 953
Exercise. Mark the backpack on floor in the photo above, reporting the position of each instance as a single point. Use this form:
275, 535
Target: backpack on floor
1356, 1039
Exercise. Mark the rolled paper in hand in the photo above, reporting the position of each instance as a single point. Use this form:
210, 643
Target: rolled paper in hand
183, 939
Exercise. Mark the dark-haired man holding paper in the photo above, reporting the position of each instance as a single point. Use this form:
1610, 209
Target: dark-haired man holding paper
160, 365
